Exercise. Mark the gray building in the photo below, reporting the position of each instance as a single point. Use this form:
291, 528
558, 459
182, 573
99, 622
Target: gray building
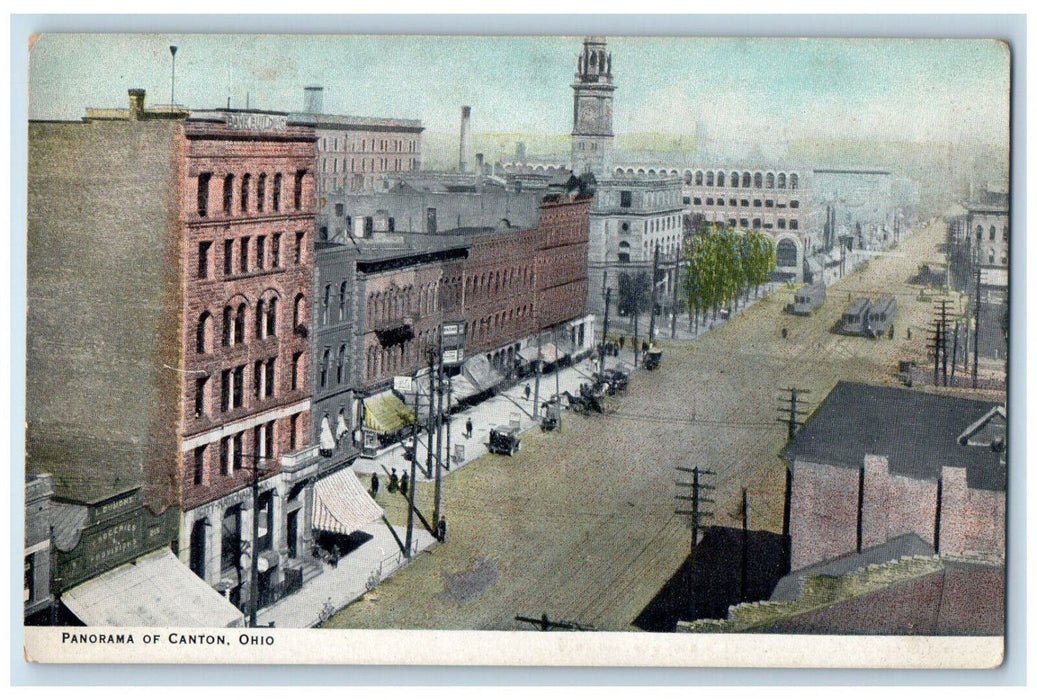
36, 592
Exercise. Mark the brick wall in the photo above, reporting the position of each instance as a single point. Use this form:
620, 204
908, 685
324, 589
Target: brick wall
561, 261
824, 512
500, 289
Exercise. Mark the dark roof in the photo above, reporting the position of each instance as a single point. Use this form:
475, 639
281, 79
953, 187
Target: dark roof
404, 250
917, 431
790, 587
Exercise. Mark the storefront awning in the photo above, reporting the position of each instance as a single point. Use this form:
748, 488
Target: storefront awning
342, 505
529, 353
156, 590
462, 388
327, 439
549, 352
386, 414
481, 374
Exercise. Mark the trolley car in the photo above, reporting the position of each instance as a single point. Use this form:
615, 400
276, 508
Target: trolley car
807, 300
880, 316
855, 318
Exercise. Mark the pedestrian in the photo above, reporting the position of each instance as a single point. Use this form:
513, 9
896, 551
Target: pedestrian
468, 428
374, 483
622, 339
644, 346
441, 529
394, 481
526, 392
403, 484
909, 333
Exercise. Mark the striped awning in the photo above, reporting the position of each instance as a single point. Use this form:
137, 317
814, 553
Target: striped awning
386, 414
155, 590
342, 505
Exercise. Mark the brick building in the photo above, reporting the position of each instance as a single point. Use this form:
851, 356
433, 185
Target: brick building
195, 369
874, 463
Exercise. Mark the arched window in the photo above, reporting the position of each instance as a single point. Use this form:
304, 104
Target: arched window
324, 361
793, 181
993, 232
746, 180
720, 179
271, 317
325, 302
979, 232
261, 192
260, 319
299, 313
239, 324
698, 178
781, 181
277, 192
770, 181
203, 333
342, 302
228, 193
734, 180
758, 181
786, 253
246, 183
228, 327
340, 368
709, 178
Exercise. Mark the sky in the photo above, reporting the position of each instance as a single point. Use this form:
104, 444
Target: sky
737, 89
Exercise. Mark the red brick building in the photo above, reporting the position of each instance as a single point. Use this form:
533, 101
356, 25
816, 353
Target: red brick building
171, 254
875, 463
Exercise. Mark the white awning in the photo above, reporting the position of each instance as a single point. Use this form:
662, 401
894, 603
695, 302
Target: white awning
461, 388
341, 428
528, 353
156, 590
327, 440
341, 504
549, 352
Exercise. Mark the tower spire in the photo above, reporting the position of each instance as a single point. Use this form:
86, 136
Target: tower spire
592, 136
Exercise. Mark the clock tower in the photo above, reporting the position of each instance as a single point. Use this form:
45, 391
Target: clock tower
592, 109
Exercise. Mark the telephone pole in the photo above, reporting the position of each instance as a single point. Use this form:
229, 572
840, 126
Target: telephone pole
696, 498
975, 346
438, 498
413, 478
655, 285
792, 410
536, 382
605, 327
676, 286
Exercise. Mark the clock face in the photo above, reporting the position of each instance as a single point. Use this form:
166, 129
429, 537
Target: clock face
588, 115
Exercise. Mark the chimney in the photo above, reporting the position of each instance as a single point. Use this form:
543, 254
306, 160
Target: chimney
136, 104
314, 100
466, 140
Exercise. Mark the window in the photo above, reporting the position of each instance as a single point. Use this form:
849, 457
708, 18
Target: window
228, 257
239, 324
769, 203
339, 210
794, 224
271, 318
698, 201
296, 360
230, 547
299, 314
299, 238
275, 251
342, 302
199, 396
786, 253
745, 202
781, 223
757, 203
203, 193
993, 232
271, 367
199, 464
625, 198
325, 302
794, 204
228, 193
266, 521
226, 389
340, 368
325, 360
299, 175
243, 257
260, 252
203, 259
979, 233
227, 326
257, 380
261, 192
709, 201
246, 183
277, 192
225, 462
238, 451
202, 333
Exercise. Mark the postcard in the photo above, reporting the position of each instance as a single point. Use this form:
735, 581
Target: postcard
557, 350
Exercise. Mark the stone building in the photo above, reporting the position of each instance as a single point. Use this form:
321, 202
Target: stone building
874, 463
632, 217
194, 371
354, 153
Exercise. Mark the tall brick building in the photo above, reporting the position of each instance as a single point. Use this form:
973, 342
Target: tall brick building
170, 282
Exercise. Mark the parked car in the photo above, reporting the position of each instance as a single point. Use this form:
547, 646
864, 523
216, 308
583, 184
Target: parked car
652, 359
504, 440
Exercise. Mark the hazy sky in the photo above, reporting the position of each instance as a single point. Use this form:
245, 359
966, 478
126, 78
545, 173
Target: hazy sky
766, 90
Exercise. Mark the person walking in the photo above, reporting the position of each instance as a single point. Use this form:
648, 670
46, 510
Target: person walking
468, 428
374, 484
622, 339
526, 392
394, 481
403, 484
441, 529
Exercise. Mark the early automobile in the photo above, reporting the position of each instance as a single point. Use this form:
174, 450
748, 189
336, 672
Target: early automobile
652, 359
504, 440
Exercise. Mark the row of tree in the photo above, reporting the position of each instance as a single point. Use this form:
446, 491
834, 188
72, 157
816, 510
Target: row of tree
723, 265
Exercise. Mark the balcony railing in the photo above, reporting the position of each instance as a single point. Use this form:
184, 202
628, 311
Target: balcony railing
298, 460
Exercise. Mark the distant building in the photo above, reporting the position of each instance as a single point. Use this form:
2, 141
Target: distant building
592, 109
354, 153
986, 224
874, 463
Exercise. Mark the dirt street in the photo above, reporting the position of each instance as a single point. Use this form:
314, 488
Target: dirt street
580, 524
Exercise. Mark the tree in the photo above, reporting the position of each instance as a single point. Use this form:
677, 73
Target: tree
635, 292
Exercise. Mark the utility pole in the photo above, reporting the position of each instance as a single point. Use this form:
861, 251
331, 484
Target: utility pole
558, 391
696, 498
637, 310
413, 479
253, 591
605, 327
655, 285
438, 498
536, 382
975, 346
954, 355
676, 286
429, 424
934, 346
793, 410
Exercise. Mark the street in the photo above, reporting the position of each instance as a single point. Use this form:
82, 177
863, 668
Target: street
580, 524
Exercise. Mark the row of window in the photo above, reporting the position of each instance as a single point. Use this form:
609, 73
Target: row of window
491, 324
233, 382
243, 189
363, 145
241, 257
325, 306
783, 224
395, 359
757, 180
510, 278
341, 367
231, 454
235, 322
992, 233
758, 203
394, 304
649, 199
369, 164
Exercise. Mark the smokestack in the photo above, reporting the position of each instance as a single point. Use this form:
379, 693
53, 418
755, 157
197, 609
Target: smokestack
136, 104
314, 100
466, 140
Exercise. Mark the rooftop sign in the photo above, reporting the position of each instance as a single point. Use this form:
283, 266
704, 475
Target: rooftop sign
258, 122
